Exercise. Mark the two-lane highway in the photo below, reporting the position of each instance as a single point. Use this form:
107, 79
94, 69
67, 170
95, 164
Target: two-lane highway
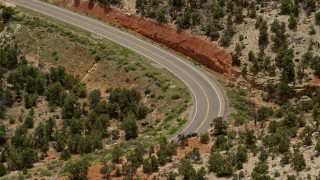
209, 100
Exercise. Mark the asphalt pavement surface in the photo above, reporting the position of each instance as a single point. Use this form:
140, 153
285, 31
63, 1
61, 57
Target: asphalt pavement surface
208, 97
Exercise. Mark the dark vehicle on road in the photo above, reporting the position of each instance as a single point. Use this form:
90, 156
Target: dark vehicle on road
190, 135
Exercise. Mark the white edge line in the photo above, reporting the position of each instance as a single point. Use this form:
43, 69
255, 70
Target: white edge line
125, 33
193, 94
132, 36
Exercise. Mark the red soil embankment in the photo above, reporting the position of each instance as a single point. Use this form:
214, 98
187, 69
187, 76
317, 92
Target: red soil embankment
198, 49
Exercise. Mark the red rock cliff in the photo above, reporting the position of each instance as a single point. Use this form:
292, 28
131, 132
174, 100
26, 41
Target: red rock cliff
198, 49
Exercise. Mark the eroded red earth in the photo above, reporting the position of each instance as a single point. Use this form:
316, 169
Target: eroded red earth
199, 49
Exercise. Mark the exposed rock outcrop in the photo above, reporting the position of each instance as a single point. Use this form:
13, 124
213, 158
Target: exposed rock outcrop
202, 51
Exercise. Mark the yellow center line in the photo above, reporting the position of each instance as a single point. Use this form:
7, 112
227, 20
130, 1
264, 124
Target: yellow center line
206, 96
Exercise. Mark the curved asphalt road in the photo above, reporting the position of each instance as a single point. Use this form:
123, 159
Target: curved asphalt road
208, 97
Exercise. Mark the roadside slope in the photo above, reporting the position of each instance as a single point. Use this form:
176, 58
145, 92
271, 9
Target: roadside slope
209, 100
200, 50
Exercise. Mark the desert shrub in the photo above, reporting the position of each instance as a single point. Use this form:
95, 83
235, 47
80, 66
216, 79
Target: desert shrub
166, 151
194, 154
298, 161
293, 22
116, 154
95, 98
252, 10
317, 16
235, 59
291, 177
217, 12
220, 165
150, 165
130, 126
242, 154
3, 170
225, 40
260, 172
65, 154
310, 5
263, 34
126, 101
221, 143
263, 156
277, 142
286, 6
220, 126
264, 113
249, 139
204, 138
30, 100
279, 29
213, 29
77, 169
186, 169
317, 147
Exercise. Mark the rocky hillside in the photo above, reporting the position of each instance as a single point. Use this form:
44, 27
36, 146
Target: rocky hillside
272, 131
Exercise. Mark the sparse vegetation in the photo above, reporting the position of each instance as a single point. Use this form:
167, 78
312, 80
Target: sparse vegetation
317, 16
274, 107
61, 113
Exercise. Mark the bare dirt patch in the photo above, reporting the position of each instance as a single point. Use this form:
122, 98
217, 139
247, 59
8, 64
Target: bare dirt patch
203, 51
192, 143
94, 172
46, 43
52, 155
